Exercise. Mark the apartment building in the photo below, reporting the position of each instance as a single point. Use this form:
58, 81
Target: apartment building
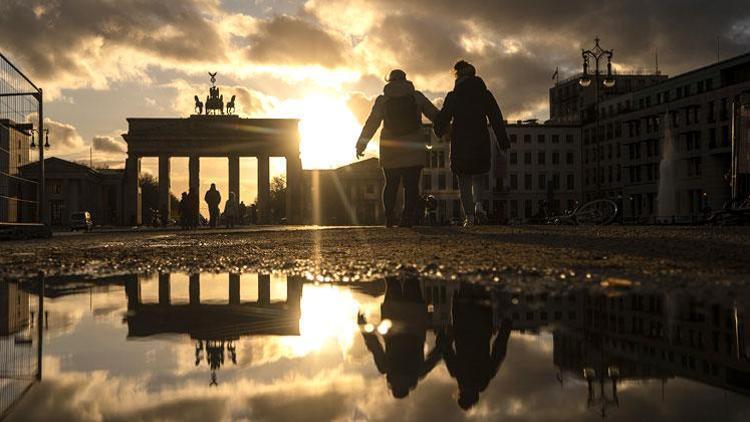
624, 156
541, 166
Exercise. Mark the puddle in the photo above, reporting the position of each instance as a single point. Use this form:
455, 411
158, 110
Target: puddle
276, 347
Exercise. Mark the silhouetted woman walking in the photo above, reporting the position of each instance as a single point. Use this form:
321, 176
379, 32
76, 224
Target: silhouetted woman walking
469, 107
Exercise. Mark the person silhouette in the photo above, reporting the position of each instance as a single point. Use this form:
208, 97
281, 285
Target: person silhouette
231, 210
402, 142
472, 357
184, 211
464, 117
400, 357
213, 199
193, 204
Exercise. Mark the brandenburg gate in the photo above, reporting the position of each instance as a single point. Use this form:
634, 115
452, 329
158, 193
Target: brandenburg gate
213, 134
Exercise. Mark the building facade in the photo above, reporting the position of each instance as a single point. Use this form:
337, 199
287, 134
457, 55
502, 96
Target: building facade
73, 187
348, 195
682, 125
541, 167
15, 140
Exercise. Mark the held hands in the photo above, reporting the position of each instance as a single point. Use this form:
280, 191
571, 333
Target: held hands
361, 145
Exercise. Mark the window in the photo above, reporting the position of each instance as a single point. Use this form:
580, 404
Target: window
513, 208
526, 139
568, 139
541, 139
542, 182
513, 138
555, 139
434, 159
513, 182
527, 208
441, 181
571, 182
427, 159
441, 159
542, 157
527, 182
569, 157
556, 181
527, 158
513, 158
427, 182
555, 158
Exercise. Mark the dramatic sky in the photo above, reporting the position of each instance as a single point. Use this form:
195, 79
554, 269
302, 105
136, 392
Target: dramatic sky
101, 61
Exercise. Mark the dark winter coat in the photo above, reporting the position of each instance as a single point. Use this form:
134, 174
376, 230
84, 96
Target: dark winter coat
468, 107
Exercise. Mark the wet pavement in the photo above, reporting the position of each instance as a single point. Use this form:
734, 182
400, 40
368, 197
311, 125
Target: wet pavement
271, 346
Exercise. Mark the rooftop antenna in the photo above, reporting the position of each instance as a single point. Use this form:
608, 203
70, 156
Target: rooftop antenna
718, 49
658, 72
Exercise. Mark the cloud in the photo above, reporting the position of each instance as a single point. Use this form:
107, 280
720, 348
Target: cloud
108, 144
89, 42
360, 105
290, 40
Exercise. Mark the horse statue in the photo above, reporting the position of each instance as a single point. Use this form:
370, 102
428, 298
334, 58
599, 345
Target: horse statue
230, 105
198, 106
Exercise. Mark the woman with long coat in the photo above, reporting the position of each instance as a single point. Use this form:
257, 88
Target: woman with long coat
469, 107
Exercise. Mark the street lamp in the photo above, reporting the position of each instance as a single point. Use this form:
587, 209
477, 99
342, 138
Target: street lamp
597, 54
46, 139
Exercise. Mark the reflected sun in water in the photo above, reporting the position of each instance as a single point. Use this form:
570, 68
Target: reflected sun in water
329, 317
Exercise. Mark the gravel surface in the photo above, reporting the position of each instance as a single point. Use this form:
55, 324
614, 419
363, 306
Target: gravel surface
555, 252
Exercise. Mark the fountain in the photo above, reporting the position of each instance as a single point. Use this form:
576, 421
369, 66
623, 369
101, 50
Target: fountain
666, 196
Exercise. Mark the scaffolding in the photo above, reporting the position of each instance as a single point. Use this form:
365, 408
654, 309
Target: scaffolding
20, 344
21, 105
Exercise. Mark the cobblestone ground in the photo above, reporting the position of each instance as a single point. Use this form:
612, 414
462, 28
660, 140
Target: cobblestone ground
637, 253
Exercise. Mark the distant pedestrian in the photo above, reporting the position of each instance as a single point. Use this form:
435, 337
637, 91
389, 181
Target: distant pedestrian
469, 107
193, 204
213, 199
402, 142
253, 214
184, 212
231, 209
242, 213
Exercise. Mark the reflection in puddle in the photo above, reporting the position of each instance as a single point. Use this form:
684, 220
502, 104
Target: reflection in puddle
270, 346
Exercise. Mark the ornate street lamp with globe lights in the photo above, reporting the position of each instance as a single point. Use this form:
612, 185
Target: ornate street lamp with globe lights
597, 54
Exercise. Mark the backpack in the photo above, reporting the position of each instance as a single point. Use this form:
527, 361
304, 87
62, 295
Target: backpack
401, 115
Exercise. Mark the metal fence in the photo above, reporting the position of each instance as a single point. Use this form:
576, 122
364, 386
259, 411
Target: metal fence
20, 345
20, 108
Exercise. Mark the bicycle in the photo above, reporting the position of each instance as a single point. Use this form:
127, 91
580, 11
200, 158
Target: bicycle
599, 212
734, 212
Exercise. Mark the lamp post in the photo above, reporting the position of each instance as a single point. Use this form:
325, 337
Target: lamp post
42, 179
597, 54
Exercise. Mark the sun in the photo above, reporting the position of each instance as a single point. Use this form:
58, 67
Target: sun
328, 131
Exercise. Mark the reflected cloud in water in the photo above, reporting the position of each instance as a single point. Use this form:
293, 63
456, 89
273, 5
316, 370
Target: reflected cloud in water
276, 347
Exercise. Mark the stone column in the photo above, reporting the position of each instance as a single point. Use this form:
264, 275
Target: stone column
294, 190
132, 190
164, 289
234, 289
195, 289
294, 285
264, 190
133, 291
194, 168
264, 289
234, 176
165, 206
